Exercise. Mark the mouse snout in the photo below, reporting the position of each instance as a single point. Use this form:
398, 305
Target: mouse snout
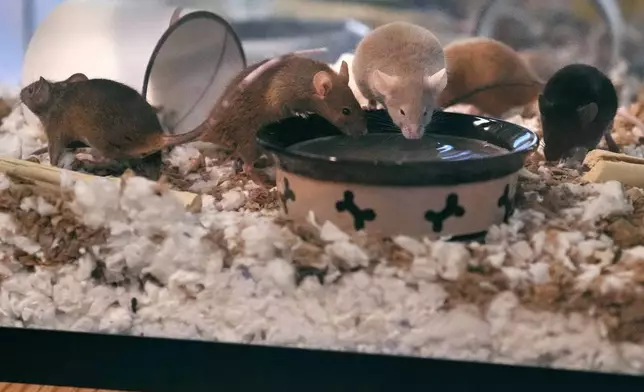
29, 94
26, 97
354, 130
353, 127
554, 150
26, 92
412, 131
360, 129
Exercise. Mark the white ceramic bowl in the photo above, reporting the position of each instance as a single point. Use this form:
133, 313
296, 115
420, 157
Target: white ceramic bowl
439, 189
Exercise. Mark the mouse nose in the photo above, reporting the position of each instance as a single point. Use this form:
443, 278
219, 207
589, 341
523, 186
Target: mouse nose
412, 132
358, 130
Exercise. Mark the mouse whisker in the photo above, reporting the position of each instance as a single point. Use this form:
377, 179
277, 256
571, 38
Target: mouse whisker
387, 128
385, 124
382, 122
385, 140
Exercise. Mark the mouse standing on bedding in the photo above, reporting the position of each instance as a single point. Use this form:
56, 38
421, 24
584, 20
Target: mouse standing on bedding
577, 107
401, 66
110, 117
275, 89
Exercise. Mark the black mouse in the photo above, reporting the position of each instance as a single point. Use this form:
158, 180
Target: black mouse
577, 106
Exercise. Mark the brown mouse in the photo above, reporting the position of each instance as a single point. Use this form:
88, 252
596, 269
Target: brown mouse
110, 117
489, 75
282, 87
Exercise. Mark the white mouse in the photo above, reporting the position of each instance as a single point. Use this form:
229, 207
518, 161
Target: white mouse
401, 66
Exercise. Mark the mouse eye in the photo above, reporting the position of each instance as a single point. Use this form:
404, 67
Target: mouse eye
402, 112
346, 111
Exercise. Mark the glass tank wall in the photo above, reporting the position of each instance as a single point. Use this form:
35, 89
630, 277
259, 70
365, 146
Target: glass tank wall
573, 30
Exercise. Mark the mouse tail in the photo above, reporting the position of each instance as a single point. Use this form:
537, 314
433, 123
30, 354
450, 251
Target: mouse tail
175, 140
486, 87
158, 143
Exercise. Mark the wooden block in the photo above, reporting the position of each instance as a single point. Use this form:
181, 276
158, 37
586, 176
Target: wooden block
12, 387
607, 166
595, 156
49, 176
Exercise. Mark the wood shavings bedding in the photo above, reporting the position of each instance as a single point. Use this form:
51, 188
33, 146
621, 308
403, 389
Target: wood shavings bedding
550, 288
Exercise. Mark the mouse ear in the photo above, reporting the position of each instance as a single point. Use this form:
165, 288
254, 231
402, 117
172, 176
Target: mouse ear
344, 71
322, 84
42, 92
437, 81
77, 77
587, 113
382, 82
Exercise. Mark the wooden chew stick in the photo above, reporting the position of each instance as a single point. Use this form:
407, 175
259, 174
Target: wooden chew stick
49, 176
608, 166
595, 156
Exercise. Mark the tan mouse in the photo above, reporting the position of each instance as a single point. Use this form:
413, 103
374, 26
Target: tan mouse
489, 75
401, 66
273, 90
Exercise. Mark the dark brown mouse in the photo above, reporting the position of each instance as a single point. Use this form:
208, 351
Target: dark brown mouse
577, 106
110, 117
281, 88
489, 75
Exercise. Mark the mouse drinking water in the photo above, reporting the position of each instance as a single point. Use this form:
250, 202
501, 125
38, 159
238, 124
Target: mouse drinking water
275, 89
110, 117
577, 105
401, 66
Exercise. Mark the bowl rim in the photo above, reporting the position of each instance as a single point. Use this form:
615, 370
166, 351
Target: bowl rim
524, 148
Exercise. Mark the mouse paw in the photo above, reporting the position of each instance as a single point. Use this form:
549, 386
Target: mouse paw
253, 175
90, 157
84, 157
196, 164
371, 105
101, 167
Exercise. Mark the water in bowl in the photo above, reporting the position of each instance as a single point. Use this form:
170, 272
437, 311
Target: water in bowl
395, 148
